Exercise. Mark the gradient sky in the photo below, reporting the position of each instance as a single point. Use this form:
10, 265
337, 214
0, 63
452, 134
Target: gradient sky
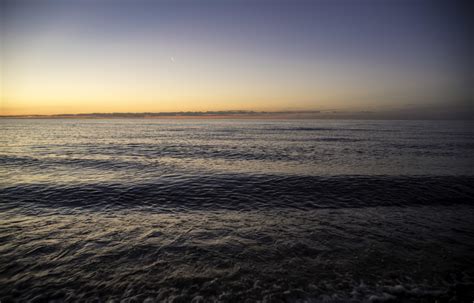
87, 56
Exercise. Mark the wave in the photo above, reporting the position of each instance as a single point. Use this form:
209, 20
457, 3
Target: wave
244, 192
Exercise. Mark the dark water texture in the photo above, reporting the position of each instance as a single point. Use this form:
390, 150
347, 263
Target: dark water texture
229, 211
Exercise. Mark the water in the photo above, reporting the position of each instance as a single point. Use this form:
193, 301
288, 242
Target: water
222, 210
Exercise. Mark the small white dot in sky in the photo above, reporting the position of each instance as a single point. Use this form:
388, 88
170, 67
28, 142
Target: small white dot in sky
172, 59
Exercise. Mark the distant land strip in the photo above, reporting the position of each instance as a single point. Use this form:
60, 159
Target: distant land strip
163, 114
245, 114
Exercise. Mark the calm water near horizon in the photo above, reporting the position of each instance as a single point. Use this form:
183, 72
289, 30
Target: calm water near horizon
235, 210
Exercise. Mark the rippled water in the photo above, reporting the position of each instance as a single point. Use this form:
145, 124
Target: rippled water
222, 210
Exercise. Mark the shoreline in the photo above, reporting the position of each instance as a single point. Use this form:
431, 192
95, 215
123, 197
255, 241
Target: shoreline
241, 117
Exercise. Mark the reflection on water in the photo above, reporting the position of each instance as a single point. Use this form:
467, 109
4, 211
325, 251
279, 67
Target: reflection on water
138, 150
333, 211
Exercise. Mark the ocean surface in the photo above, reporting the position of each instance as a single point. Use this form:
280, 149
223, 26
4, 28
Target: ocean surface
236, 211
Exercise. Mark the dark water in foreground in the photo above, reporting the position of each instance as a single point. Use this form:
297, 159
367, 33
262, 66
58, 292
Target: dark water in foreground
204, 211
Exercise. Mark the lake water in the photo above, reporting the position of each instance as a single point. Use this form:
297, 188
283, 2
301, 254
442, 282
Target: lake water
235, 210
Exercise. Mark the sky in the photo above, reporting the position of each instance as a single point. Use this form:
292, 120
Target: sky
85, 56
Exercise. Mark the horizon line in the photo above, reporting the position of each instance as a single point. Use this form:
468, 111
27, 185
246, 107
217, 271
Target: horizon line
251, 114
171, 113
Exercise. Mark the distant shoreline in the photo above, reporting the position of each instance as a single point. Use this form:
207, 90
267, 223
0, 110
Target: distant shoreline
246, 115
172, 115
